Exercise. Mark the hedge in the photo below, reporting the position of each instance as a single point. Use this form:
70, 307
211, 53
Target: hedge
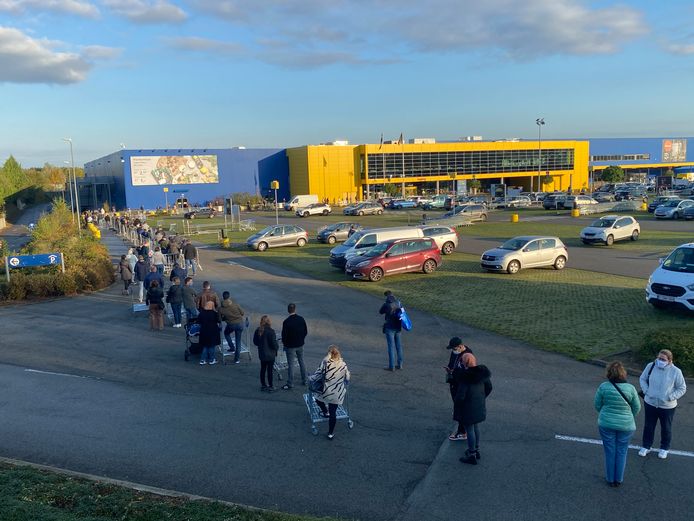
680, 341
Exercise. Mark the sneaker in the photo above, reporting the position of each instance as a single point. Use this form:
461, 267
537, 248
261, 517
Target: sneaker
202, 362
237, 361
643, 452
388, 369
270, 389
457, 437
331, 436
662, 454
398, 366
213, 362
286, 387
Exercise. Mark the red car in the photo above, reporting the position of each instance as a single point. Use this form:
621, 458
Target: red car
395, 256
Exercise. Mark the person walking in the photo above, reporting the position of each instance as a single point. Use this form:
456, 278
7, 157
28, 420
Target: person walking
174, 297
392, 329
190, 299
158, 260
455, 362
152, 276
141, 271
126, 274
662, 384
155, 301
617, 403
266, 341
190, 254
209, 333
294, 333
233, 315
335, 374
179, 272
208, 295
473, 385
132, 259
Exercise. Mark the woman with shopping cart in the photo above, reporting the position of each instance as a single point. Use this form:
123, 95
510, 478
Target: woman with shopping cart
335, 375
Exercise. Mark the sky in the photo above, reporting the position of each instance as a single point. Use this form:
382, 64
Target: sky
282, 73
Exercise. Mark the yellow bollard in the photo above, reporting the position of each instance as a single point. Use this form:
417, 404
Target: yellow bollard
575, 212
226, 242
514, 218
644, 207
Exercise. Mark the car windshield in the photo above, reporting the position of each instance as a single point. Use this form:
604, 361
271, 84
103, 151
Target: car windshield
265, 231
353, 239
682, 260
377, 250
331, 228
671, 204
513, 244
603, 223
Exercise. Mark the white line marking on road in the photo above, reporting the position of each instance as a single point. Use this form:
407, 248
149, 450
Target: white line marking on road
59, 374
591, 441
232, 263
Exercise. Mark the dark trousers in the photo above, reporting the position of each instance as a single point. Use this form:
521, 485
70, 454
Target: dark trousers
176, 310
266, 368
653, 415
331, 411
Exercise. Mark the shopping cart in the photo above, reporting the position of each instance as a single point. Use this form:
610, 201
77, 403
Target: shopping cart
316, 416
245, 343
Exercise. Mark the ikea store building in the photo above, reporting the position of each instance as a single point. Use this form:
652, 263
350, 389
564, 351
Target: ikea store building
342, 173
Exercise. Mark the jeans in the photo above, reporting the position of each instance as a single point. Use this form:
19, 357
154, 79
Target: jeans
190, 263
191, 313
207, 354
266, 368
653, 414
393, 340
616, 445
238, 330
297, 352
473, 436
176, 310
331, 411
160, 268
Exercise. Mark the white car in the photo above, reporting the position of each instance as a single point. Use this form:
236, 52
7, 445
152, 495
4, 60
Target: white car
672, 209
577, 201
446, 237
526, 252
611, 228
672, 283
314, 209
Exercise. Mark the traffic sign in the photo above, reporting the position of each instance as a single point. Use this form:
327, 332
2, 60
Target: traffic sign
181, 191
166, 189
28, 261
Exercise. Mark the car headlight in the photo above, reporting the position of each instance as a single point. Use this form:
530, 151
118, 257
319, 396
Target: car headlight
361, 264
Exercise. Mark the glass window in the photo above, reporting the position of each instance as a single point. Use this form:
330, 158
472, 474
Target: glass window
412, 246
546, 244
368, 241
397, 249
532, 246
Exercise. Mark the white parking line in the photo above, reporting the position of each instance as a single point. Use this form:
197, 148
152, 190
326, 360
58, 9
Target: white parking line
59, 374
591, 441
232, 263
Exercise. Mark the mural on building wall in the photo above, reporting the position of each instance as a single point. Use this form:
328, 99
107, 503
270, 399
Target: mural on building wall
173, 170
674, 150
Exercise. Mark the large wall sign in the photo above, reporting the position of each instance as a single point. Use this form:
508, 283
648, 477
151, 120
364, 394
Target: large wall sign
173, 170
674, 150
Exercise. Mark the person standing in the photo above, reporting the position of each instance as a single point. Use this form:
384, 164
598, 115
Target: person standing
141, 271
335, 374
158, 260
209, 333
455, 362
294, 333
662, 385
266, 341
473, 385
152, 276
233, 315
208, 295
174, 297
179, 272
190, 299
190, 254
617, 403
392, 329
132, 259
126, 273
155, 301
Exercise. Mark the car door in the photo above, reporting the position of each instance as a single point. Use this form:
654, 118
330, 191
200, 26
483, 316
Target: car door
531, 255
622, 228
548, 252
395, 259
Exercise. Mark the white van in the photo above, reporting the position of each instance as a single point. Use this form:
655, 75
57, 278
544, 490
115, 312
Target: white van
364, 239
672, 283
300, 201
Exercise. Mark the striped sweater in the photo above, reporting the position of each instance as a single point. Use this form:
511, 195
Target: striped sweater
336, 377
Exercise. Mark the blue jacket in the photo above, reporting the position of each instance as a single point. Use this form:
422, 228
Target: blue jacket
153, 275
614, 412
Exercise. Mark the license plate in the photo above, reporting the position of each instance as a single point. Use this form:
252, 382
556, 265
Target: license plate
666, 298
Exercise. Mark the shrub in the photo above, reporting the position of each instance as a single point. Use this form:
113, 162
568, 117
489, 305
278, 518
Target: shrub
17, 287
680, 341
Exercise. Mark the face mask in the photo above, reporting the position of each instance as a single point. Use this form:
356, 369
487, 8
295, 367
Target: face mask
661, 363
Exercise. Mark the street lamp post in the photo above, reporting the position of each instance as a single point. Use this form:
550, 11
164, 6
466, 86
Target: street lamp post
74, 178
539, 122
69, 186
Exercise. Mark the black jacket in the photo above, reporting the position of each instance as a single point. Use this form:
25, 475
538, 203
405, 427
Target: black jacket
155, 296
175, 294
141, 270
472, 388
391, 310
179, 272
294, 331
267, 344
209, 328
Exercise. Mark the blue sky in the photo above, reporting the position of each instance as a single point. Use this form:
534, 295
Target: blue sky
276, 73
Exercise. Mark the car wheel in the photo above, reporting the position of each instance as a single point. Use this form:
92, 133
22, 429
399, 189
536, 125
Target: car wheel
447, 248
305, 214
676, 215
635, 235
483, 217
610, 240
332, 239
375, 274
262, 246
301, 242
325, 212
513, 267
361, 212
585, 241
379, 212
429, 266
560, 263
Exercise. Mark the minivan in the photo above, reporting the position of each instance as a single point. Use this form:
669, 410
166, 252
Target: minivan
672, 283
395, 256
300, 200
364, 239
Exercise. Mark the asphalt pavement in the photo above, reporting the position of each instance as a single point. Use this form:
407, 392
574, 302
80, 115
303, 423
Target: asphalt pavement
86, 386
17, 234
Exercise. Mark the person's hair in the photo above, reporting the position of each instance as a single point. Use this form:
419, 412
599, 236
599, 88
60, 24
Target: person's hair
140, 257
176, 279
154, 284
291, 308
264, 322
334, 352
667, 353
616, 371
122, 257
152, 268
387, 293
157, 248
469, 360
209, 305
187, 280
225, 295
206, 284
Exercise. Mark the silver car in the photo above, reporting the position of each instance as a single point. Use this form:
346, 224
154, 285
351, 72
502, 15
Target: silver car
367, 208
446, 237
672, 209
526, 252
278, 235
337, 232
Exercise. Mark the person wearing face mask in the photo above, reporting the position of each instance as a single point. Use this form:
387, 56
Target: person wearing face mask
662, 385
455, 362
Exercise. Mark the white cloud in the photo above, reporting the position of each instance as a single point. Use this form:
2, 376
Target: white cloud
147, 11
99, 52
684, 49
74, 7
205, 45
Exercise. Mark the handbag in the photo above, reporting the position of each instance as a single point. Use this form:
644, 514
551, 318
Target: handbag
648, 380
316, 385
405, 320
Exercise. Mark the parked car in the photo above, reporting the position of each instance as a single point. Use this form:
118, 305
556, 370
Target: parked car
630, 194
399, 204
299, 201
206, 213
278, 235
604, 197
660, 200
611, 228
672, 209
314, 209
445, 237
395, 256
367, 208
516, 201
577, 201
526, 252
672, 283
688, 213
337, 232
347, 210
535, 196
475, 212
437, 202
553, 201
365, 239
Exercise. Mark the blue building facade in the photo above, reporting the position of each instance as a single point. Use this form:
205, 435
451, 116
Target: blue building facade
651, 156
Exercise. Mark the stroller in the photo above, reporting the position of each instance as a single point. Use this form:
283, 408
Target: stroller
193, 347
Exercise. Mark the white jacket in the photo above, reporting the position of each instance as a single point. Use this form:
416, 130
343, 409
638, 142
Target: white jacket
664, 387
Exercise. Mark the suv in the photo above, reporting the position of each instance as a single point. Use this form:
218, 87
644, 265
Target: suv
314, 209
445, 237
578, 201
366, 208
611, 228
395, 256
672, 283
474, 212
553, 201
526, 252
672, 209
200, 212
278, 235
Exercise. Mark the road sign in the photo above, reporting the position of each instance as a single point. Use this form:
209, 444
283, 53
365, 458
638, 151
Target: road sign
166, 189
29, 261
181, 191
275, 185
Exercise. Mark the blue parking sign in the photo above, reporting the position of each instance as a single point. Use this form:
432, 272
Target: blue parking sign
29, 261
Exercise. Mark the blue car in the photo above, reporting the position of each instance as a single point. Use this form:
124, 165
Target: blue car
399, 204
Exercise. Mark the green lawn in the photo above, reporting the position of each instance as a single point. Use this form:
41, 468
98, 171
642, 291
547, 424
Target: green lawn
27, 494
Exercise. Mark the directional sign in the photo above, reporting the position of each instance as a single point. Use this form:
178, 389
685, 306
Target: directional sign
28, 261
182, 191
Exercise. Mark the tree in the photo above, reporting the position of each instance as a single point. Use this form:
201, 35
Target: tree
12, 177
613, 174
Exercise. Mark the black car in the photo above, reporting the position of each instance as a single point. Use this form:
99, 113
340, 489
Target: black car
553, 201
200, 212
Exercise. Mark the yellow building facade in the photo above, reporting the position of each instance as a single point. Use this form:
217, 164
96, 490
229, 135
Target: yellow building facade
347, 173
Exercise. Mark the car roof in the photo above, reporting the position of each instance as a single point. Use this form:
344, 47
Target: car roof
531, 237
